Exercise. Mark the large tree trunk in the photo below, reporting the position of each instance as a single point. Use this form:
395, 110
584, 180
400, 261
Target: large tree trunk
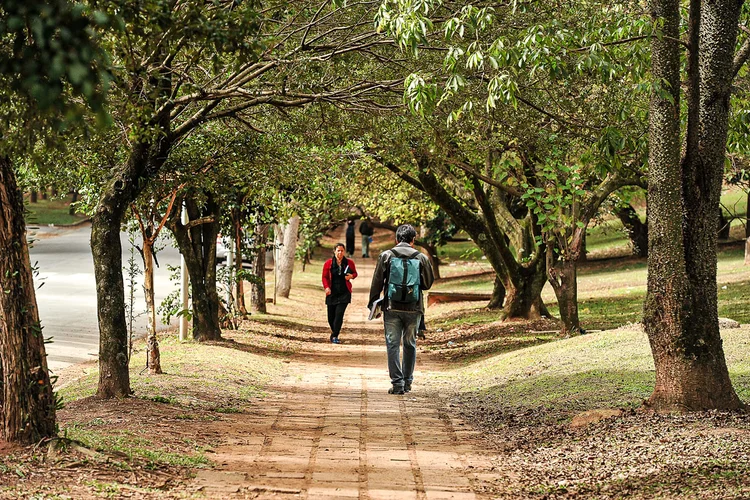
747, 231
114, 378
27, 403
258, 288
197, 243
637, 230
523, 293
152, 342
680, 314
286, 256
144, 161
522, 283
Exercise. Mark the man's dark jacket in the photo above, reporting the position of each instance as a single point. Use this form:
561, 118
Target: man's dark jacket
380, 277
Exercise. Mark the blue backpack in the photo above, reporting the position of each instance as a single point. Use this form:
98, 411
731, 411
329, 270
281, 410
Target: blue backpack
403, 279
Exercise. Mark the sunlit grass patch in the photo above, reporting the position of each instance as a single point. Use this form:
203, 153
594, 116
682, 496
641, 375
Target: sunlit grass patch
220, 377
131, 445
52, 211
555, 380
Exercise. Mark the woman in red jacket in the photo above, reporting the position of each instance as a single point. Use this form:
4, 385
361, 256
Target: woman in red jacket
337, 275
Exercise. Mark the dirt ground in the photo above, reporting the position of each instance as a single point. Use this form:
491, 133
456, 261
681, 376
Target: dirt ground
332, 430
327, 429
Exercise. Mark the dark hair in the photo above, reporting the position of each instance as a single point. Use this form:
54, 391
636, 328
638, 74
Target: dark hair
405, 233
338, 245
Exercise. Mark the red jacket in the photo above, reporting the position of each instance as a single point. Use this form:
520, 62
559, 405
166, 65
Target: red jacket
327, 273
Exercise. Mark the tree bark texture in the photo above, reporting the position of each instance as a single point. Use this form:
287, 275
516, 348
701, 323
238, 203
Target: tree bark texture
197, 243
114, 378
680, 315
637, 231
287, 253
258, 289
27, 402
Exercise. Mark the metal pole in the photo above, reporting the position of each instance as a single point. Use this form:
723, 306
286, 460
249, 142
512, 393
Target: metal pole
184, 280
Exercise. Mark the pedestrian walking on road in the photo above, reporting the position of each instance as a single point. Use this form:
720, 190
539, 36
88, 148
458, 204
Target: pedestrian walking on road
338, 273
401, 274
366, 230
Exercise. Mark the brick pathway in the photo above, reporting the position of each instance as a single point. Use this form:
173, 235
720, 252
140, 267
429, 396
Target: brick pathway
331, 430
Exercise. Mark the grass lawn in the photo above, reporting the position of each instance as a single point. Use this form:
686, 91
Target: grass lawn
51, 212
611, 291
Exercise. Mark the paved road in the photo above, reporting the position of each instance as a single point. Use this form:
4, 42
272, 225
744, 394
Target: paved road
66, 291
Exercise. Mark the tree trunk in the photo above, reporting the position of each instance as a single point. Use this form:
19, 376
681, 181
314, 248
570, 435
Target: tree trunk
27, 402
498, 295
239, 285
286, 256
680, 314
152, 342
431, 251
258, 289
197, 243
114, 378
563, 276
637, 230
523, 293
73, 200
523, 283
34, 196
724, 226
144, 161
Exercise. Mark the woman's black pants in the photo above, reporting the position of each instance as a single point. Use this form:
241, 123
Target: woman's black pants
336, 318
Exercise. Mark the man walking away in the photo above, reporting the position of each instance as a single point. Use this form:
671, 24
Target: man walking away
366, 230
401, 274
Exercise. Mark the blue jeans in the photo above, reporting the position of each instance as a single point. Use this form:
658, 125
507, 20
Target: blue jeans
401, 327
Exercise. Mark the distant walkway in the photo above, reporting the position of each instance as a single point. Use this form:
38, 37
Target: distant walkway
332, 431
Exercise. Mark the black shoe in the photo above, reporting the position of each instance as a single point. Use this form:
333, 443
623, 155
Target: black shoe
335, 340
396, 390
407, 388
